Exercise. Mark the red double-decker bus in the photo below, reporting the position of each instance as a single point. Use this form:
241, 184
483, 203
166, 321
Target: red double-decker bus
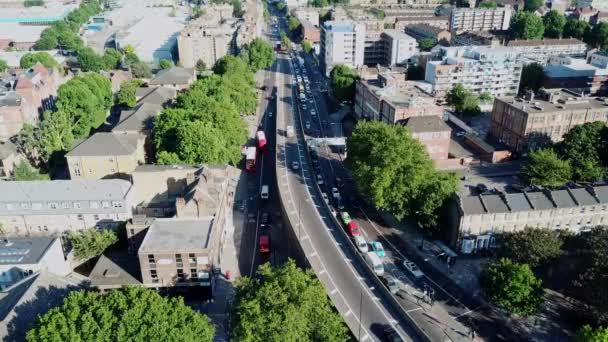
250, 159
261, 141
264, 244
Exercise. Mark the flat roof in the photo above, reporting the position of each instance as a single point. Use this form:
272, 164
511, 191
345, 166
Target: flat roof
24, 250
427, 123
602, 193
564, 102
63, 190
171, 234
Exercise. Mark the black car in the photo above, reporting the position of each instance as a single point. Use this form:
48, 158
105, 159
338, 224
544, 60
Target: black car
265, 219
391, 335
339, 182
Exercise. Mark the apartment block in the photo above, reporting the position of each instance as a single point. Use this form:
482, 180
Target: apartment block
433, 133
524, 124
399, 48
342, 42
476, 222
480, 19
57, 207
540, 50
309, 14
390, 98
478, 68
208, 38
21, 257
577, 74
24, 96
442, 22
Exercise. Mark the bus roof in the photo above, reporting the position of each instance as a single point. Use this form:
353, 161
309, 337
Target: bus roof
261, 135
264, 239
251, 152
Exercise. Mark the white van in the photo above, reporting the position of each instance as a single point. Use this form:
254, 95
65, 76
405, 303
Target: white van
375, 263
361, 244
264, 193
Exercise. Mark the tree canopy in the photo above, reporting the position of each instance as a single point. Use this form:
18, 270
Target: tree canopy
91, 242
25, 172
463, 100
546, 168
531, 77
554, 24
512, 286
200, 66
140, 70
584, 146
532, 5
284, 303
239, 83
126, 94
342, 82
89, 60
306, 46
575, 28
128, 314
588, 334
394, 170
204, 127
63, 34
532, 246
426, 44
165, 64
526, 25
260, 54
293, 24
31, 58
112, 59
487, 4
3, 65
598, 36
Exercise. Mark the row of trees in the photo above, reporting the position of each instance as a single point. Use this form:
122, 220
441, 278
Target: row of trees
511, 283
63, 34
325, 3
395, 172
581, 156
527, 25
82, 105
205, 125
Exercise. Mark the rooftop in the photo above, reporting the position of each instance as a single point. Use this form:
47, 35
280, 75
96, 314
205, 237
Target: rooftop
544, 42
107, 144
396, 34
174, 75
427, 123
425, 27
115, 271
339, 26
171, 234
555, 100
60, 190
399, 93
139, 119
7, 149
24, 250
155, 95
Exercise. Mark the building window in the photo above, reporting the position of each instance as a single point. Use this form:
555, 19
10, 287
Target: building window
117, 204
178, 260
153, 275
77, 205
180, 274
80, 217
105, 204
132, 231
53, 205
25, 205
192, 258
193, 274
94, 205
77, 172
151, 261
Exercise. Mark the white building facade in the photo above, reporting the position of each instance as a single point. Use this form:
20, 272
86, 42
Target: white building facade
342, 42
57, 207
400, 48
480, 19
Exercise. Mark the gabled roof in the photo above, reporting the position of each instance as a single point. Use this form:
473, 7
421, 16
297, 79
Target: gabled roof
494, 204
174, 75
107, 144
138, 120
155, 95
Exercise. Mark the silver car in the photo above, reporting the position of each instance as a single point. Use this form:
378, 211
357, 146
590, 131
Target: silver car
413, 269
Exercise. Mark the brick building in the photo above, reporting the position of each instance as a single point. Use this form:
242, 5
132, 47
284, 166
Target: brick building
433, 133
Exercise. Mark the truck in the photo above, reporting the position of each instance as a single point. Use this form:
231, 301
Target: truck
375, 263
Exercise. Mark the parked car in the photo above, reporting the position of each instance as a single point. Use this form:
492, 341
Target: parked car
313, 112
339, 182
353, 228
325, 198
345, 217
316, 165
390, 334
320, 180
335, 193
361, 244
295, 165
378, 248
413, 269
482, 188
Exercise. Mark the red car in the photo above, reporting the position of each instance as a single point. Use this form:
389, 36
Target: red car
353, 228
264, 244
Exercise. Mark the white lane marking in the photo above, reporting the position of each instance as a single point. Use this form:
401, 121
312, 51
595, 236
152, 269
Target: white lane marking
255, 245
416, 309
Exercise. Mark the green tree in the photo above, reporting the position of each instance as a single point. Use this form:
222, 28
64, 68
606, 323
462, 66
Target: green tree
54, 134
426, 44
598, 36
30, 59
513, 287
486, 96
141, 70
165, 64
238, 82
25, 172
3, 65
260, 54
588, 334
463, 101
394, 170
237, 9
283, 294
281, 6
129, 314
47, 40
554, 24
575, 28
200, 66
546, 168
293, 24
526, 25
583, 146
532, 5
31, 3
90, 61
532, 76
487, 4
306, 46
532, 246
112, 59
91, 242
342, 82
415, 72
126, 94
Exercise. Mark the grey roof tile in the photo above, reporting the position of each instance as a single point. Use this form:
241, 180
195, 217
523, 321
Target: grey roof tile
471, 205
107, 144
494, 204
563, 199
583, 196
174, 75
539, 200
517, 202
